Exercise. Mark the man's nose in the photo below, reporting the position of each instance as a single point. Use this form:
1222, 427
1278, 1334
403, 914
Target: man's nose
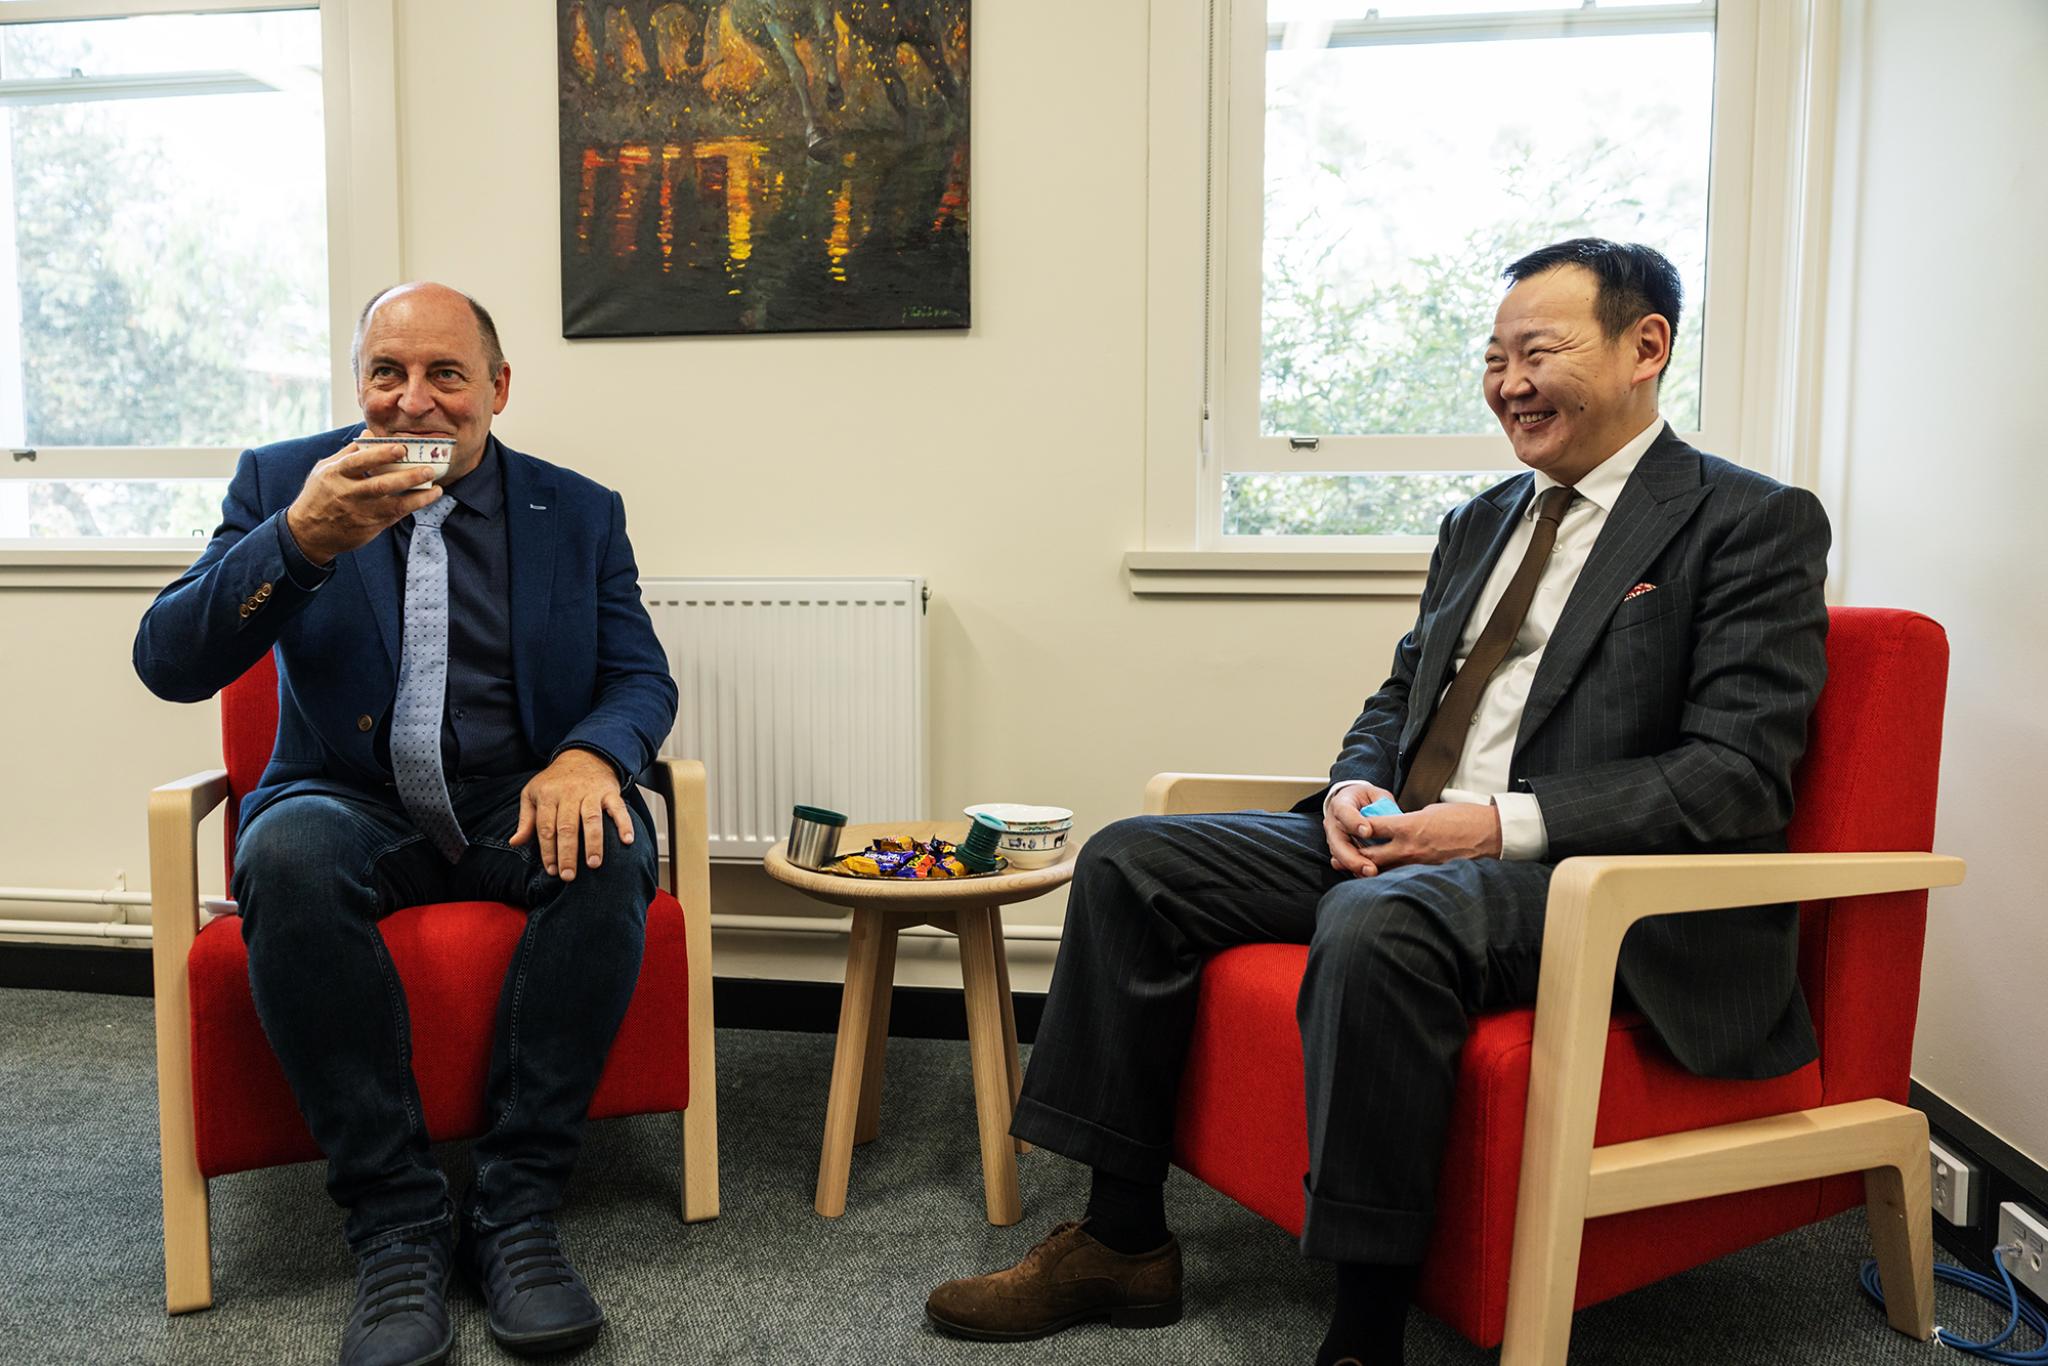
418, 396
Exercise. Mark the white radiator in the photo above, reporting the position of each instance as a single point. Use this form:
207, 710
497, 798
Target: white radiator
796, 690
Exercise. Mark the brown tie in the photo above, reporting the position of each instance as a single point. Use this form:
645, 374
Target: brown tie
1445, 740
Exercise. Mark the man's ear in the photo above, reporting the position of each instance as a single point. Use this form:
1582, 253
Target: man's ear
1653, 346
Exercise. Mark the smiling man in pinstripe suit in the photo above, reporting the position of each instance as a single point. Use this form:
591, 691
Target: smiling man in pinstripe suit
1617, 652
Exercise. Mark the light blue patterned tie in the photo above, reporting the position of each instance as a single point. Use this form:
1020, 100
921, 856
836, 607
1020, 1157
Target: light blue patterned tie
423, 685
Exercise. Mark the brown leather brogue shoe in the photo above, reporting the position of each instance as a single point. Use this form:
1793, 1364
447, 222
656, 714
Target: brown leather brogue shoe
1068, 1278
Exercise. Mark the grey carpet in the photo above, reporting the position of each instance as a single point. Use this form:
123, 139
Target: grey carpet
769, 1281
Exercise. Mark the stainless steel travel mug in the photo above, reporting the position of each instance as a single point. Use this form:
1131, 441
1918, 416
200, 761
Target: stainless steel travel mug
814, 836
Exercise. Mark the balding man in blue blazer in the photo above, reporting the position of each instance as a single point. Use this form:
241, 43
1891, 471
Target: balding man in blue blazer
467, 685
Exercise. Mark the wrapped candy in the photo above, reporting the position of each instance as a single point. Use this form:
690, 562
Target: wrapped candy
923, 860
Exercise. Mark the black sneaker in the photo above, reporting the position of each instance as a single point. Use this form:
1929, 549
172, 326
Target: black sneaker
401, 1313
537, 1301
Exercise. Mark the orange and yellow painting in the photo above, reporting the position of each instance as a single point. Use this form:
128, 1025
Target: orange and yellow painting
763, 165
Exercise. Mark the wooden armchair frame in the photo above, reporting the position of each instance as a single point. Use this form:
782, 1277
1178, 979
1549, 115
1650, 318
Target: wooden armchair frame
175, 811
1565, 1179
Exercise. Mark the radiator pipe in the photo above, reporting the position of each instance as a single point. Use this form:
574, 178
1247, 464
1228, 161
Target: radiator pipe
778, 924
64, 911
74, 895
804, 924
73, 929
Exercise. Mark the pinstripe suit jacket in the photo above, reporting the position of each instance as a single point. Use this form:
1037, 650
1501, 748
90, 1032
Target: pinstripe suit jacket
1669, 723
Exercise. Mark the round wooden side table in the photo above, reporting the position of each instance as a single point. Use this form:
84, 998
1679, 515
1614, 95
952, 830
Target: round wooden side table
968, 907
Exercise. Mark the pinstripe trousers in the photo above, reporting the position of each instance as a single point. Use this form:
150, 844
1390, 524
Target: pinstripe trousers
1397, 965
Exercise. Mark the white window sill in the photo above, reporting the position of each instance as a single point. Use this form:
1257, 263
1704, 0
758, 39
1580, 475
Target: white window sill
1277, 573
76, 566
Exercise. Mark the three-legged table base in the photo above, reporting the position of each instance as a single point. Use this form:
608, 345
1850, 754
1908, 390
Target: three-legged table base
853, 1111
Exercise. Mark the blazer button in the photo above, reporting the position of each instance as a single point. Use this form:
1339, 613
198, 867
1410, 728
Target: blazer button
263, 592
246, 609
364, 723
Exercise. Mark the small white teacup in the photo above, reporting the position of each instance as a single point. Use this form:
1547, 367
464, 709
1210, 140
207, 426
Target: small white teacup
421, 452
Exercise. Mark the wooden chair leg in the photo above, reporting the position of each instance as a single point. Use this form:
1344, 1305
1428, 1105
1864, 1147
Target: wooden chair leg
849, 1056
992, 1104
1899, 1206
868, 1126
700, 1142
188, 1242
1539, 1319
174, 814
1009, 1021
681, 783
699, 1130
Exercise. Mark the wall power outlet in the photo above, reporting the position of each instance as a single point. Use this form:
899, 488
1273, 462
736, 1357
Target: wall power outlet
1955, 1185
2026, 1231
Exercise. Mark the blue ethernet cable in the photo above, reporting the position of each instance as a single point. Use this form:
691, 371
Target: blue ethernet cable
1993, 1348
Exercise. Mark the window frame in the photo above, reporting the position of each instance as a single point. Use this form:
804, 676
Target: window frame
359, 106
1770, 182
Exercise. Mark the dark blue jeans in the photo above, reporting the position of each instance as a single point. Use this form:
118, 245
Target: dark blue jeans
314, 873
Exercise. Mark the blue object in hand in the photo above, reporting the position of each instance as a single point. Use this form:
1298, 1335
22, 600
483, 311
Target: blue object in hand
1385, 806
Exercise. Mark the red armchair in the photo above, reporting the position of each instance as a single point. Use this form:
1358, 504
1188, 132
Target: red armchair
1582, 1161
222, 1099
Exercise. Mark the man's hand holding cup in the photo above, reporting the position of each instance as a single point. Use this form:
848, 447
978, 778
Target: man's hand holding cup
1344, 826
352, 496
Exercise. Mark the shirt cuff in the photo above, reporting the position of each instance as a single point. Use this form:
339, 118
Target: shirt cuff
1335, 788
1522, 833
303, 572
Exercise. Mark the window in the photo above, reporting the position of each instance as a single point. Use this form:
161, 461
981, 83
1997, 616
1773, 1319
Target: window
166, 295
1369, 171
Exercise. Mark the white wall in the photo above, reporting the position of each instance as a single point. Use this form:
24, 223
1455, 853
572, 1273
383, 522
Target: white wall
735, 456
1943, 510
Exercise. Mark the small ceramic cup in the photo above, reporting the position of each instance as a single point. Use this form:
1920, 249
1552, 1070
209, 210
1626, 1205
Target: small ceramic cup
421, 452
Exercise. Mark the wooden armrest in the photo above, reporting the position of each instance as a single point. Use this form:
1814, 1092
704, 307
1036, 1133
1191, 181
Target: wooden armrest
1625, 888
1185, 794
175, 811
1594, 901
681, 783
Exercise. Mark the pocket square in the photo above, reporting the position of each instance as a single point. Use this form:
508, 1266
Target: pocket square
1638, 591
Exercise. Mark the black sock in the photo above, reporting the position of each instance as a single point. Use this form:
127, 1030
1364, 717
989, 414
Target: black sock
1126, 1216
1372, 1314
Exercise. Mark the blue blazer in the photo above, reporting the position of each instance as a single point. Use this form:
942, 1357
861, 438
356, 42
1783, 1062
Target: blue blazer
587, 670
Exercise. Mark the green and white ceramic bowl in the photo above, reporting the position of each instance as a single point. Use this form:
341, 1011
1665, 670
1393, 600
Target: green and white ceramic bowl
1033, 836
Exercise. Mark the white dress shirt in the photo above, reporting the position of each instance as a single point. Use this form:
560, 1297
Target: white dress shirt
1482, 772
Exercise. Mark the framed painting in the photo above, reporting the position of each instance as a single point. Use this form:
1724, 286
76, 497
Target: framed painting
736, 166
